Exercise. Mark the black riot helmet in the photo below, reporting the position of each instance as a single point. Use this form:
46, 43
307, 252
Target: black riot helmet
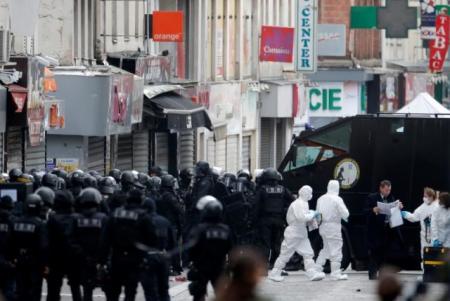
155, 171
270, 175
61, 173
89, 197
115, 173
107, 185
76, 178
94, 173
212, 212
49, 180
154, 184
186, 174
33, 204
63, 201
60, 184
47, 195
244, 173
229, 180
135, 197
14, 174
6, 203
127, 179
241, 184
168, 181
143, 178
202, 169
149, 205
89, 182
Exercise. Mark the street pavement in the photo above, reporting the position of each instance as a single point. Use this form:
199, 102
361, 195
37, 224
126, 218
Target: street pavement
297, 287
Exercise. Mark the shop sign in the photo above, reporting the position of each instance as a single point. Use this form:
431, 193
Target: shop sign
167, 26
36, 103
19, 96
69, 165
122, 92
427, 19
277, 44
439, 47
333, 99
306, 36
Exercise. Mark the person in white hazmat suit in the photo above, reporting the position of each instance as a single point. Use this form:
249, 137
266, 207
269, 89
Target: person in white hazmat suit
423, 214
332, 209
296, 238
440, 222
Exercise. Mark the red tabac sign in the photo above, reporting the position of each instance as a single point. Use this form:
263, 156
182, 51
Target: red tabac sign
167, 26
277, 44
439, 46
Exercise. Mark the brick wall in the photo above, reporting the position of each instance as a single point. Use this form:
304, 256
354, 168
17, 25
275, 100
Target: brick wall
366, 44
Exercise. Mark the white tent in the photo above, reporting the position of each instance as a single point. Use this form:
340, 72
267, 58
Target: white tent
424, 104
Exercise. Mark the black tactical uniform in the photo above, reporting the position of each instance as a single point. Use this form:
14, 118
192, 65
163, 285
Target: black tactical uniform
7, 279
155, 272
203, 186
272, 201
119, 197
29, 243
170, 207
127, 226
75, 182
85, 242
212, 242
60, 228
47, 195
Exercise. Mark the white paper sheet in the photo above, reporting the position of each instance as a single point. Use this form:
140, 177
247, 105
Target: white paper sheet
385, 208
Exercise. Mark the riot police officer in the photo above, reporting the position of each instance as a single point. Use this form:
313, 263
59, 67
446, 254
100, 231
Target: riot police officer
272, 202
76, 180
211, 243
60, 227
116, 174
14, 174
6, 265
203, 186
88, 228
49, 180
48, 196
29, 246
153, 188
127, 226
118, 199
170, 207
155, 272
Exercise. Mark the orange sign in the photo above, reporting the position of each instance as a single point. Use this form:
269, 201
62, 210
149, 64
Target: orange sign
168, 26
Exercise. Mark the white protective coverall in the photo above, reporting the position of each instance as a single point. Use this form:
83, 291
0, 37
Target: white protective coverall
333, 210
423, 212
440, 226
296, 238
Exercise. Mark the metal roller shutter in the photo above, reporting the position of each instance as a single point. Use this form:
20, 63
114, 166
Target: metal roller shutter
162, 150
186, 147
232, 153
2, 153
35, 156
281, 141
140, 150
125, 152
14, 148
266, 147
246, 152
221, 154
96, 154
211, 152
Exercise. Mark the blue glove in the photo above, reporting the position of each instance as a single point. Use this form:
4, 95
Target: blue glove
345, 220
437, 243
317, 215
405, 213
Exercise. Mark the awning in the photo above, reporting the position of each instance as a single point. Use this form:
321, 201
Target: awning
177, 112
340, 75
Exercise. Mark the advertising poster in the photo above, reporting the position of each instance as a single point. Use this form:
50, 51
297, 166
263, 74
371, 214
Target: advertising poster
277, 44
427, 19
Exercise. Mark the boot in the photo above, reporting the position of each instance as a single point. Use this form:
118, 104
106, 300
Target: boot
336, 273
275, 275
311, 271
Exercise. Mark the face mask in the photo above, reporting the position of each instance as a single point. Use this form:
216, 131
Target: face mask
426, 200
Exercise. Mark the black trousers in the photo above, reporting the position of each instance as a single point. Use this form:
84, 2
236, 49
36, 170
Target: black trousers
271, 236
29, 283
55, 278
83, 280
123, 275
155, 278
198, 287
379, 251
7, 283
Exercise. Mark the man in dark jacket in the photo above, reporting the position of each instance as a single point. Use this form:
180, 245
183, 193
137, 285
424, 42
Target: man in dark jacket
7, 280
380, 236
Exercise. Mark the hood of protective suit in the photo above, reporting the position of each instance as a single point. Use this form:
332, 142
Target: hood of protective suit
305, 193
333, 187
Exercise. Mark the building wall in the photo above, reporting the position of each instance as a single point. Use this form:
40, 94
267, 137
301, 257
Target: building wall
67, 147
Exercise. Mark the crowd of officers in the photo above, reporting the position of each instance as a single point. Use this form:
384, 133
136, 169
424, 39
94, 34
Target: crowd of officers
126, 228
